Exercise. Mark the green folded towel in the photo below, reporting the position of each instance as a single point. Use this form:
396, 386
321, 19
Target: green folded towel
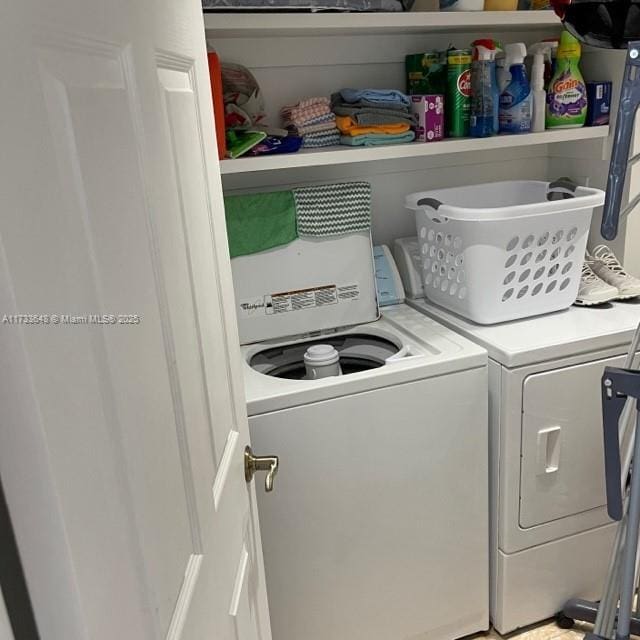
239, 142
260, 221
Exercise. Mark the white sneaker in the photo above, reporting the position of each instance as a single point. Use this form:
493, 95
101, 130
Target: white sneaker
592, 290
607, 267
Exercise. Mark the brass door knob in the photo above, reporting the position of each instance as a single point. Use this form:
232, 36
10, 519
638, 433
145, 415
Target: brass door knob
260, 463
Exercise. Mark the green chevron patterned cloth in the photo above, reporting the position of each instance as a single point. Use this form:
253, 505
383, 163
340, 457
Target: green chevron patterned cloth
333, 209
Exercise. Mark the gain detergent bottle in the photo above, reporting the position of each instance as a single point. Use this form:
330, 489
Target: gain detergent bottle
567, 92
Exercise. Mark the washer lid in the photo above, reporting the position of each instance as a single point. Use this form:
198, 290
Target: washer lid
425, 349
309, 285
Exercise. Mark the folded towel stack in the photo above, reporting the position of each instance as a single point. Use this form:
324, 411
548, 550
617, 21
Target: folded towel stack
313, 120
373, 116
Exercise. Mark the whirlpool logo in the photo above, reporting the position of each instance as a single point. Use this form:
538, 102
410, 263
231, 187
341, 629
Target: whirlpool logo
252, 307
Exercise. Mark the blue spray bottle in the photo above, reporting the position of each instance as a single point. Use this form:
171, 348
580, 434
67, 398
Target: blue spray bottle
484, 90
516, 99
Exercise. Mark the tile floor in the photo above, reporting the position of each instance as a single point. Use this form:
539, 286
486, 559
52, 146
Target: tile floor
547, 630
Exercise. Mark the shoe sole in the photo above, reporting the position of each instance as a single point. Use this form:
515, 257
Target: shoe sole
596, 301
628, 296
579, 303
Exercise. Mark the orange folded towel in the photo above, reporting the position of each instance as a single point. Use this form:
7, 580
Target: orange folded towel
349, 127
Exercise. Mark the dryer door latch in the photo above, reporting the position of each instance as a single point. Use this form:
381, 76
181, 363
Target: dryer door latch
548, 450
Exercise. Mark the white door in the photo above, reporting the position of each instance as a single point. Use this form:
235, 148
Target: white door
121, 439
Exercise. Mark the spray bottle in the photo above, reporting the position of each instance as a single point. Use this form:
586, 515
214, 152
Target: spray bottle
484, 104
541, 67
546, 48
515, 100
539, 95
496, 89
502, 71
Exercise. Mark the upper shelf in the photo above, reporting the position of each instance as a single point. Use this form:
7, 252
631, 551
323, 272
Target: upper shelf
347, 155
237, 25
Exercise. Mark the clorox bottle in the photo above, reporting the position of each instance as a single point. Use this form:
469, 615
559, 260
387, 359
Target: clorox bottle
515, 100
567, 92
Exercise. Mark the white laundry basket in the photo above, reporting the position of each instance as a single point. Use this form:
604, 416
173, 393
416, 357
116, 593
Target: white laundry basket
504, 250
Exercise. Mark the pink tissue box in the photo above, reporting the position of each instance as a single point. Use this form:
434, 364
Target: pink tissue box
429, 112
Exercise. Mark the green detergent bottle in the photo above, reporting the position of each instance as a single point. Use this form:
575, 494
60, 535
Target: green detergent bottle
567, 92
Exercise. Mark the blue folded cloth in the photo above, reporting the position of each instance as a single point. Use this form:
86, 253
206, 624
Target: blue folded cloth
276, 144
377, 139
375, 96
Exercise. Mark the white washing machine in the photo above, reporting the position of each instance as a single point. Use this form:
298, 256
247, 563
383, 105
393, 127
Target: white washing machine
377, 526
550, 533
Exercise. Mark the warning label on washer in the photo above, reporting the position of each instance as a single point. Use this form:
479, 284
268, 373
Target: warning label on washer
286, 301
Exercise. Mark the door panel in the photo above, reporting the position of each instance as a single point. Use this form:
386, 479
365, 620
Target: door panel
126, 411
562, 465
109, 205
182, 118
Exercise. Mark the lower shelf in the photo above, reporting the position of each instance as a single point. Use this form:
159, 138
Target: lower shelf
347, 155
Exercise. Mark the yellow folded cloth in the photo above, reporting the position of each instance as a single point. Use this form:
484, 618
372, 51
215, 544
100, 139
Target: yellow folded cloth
349, 127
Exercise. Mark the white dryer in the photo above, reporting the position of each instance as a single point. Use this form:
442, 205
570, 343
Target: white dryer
377, 527
550, 533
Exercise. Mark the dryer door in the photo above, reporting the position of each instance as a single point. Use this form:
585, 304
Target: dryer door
562, 464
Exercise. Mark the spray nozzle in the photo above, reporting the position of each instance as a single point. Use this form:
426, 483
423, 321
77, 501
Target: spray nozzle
542, 48
484, 49
515, 53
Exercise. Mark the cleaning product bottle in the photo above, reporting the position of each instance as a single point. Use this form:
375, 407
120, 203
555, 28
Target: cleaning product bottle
515, 100
483, 90
539, 94
497, 91
567, 93
457, 101
502, 71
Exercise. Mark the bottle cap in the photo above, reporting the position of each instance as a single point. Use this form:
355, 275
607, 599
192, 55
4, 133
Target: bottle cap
484, 49
321, 361
516, 52
321, 354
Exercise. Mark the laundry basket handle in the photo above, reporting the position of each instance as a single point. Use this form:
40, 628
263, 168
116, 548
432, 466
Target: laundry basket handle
561, 189
431, 203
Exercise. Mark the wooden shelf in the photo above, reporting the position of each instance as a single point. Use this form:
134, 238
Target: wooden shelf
243, 25
348, 155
